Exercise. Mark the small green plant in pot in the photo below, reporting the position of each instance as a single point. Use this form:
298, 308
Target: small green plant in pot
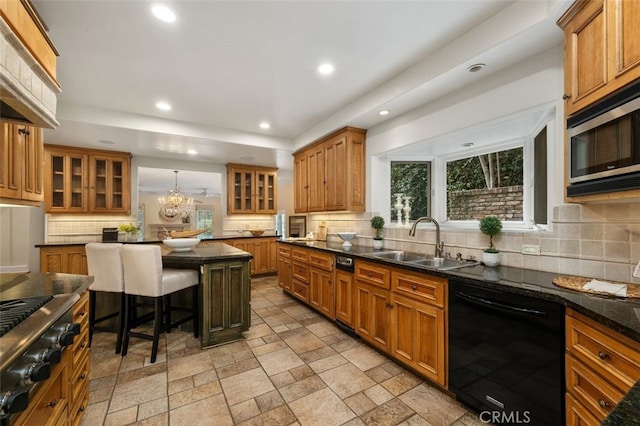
491, 226
377, 223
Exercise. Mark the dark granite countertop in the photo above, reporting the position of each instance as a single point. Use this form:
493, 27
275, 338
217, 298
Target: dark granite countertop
156, 240
622, 315
627, 412
202, 255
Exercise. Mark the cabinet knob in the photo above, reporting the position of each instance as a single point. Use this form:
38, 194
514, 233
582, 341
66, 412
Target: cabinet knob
604, 404
603, 355
52, 403
414, 287
566, 96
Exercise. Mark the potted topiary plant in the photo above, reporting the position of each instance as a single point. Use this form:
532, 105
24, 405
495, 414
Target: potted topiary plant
377, 223
491, 225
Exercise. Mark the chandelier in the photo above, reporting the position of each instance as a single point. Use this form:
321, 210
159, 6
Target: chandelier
175, 204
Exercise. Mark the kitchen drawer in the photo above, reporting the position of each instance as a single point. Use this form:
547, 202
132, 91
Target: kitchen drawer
284, 251
49, 404
81, 311
373, 274
300, 271
321, 260
613, 356
426, 288
80, 348
592, 391
80, 382
301, 255
578, 415
300, 290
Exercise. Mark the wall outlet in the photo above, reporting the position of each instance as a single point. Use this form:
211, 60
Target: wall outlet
530, 249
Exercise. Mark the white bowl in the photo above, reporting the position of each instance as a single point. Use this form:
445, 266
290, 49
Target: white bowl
181, 244
346, 237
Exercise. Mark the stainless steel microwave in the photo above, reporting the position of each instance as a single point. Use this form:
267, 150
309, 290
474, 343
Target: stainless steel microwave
604, 145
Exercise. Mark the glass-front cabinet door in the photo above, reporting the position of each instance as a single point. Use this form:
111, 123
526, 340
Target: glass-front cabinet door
66, 182
108, 190
251, 189
266, 192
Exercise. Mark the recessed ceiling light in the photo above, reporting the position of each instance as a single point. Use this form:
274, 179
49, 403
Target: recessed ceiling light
106, 142
163, 106
326, 69
476, 67
247, 158
265, 125
192, 152
163, 13
467, 144
383, 112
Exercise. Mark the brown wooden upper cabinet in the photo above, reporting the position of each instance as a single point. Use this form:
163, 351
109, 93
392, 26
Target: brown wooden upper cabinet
329, 175
601, 49
21, 176
87, 181
251, 189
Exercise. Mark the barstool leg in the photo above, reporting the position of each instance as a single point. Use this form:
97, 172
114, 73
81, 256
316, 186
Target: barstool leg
127, 325
92, 314
167, 313
157, 328
121, 322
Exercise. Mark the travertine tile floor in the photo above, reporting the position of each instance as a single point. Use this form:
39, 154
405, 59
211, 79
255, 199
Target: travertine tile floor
294, 368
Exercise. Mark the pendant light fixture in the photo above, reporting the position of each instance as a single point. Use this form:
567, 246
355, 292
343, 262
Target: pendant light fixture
176, 204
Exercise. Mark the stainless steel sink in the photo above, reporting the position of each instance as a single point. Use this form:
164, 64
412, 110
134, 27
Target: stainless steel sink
399, 256
445, 264
418, 259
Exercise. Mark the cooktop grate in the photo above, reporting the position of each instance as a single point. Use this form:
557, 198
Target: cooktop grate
13, 312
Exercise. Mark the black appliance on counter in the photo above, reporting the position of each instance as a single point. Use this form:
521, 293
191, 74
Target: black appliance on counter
506, 355
33, 334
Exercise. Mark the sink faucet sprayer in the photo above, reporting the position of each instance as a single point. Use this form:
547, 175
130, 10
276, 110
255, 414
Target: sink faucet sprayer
439, 244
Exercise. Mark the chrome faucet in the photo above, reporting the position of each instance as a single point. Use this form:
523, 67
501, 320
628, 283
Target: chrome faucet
439, 244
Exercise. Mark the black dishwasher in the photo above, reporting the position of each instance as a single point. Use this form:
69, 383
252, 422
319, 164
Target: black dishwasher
506, 355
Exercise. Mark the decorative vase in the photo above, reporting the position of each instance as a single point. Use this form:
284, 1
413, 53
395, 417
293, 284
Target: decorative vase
490, 259
398, 207
377, 244
407, 211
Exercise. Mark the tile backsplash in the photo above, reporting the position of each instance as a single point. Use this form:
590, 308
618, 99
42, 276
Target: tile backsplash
598, 241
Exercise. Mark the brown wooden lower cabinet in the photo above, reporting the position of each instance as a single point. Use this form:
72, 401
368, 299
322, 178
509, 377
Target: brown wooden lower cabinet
400, 312
373, 315
601, 366
418, 336
344, 295
63, 259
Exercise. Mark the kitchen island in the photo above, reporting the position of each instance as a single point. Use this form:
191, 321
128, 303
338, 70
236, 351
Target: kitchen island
225, 289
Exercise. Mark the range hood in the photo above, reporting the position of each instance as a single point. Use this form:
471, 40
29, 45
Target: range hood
27, 91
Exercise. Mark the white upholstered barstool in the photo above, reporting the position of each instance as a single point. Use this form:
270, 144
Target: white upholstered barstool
104, 262
145, 276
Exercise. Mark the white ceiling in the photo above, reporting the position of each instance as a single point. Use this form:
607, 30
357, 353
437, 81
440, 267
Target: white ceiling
225, 66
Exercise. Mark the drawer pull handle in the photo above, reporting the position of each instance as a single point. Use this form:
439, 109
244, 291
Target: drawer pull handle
52, 403
83, 345
369, 274
603, 355
414, 287
604, 404
83, 376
